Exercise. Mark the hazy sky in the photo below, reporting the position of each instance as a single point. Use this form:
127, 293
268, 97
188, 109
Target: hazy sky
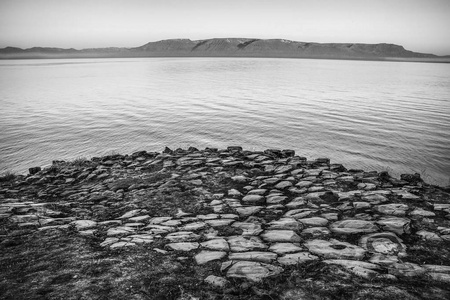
418, 25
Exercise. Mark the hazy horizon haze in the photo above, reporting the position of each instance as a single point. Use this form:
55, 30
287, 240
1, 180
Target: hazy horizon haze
420, 26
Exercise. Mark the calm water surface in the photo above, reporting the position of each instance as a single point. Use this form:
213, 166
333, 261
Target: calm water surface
372, 115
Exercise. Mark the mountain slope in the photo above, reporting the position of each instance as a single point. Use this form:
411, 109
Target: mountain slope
234, 47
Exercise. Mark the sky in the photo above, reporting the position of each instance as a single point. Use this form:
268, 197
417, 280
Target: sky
418, 25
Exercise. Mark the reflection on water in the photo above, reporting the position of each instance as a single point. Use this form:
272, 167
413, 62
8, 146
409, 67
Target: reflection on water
371, 115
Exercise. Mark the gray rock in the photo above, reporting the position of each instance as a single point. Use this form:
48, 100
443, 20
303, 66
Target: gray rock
266, 257
386, 243
206, 256
248, 228
182, 236
253, 271
246, 243
335, 249
316, 231
218, 244
422, 212
353, 226
253, 199
359, 268
296, 258
396, 225
280, 236
284, 248
183, 246
314, 221
246, 211
285, 223
216, 281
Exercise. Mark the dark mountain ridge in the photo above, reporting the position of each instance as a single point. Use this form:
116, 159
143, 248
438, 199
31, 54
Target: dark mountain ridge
232, 47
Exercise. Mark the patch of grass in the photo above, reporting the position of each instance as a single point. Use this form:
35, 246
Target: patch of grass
7, 176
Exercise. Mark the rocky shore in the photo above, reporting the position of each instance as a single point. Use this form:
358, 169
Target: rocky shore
221, 224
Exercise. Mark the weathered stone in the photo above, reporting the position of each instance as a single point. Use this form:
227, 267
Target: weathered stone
246, 243
396, 225
314, 221
266, 257
353, 226
386, 243
257, 192
121, 245
183, 246
219, 244
359, 268
283, 248
383, 259
335, 249
194, 226
217, 281
285, 223
280, 236
254, 271
219, 222
248, 228
246, 211
422, 212
406, 269
316, 231
396, 209
84, 224
182, 236
119, 231
296, 258
275, 199
159, 220
206, 256
132, 213
429, 236
283, 185
253, 199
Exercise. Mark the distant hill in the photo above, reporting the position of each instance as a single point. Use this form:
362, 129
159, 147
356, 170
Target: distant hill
234, 47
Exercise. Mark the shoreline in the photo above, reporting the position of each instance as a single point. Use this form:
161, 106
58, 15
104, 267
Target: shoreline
222, 223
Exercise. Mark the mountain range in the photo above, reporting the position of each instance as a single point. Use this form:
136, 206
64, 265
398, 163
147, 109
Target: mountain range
234, 47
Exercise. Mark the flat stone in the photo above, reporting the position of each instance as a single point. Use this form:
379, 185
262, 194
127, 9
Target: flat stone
361, 205
260, 256
422, 212
139, 218
442, 206
299, 213
182, 236
159, 220
406, 195
141, 238
314, 221
257, 192
296, 258
296, 203
395, 209
253, 271
246, 211
248, 228
172, 223
359, 268
406, 269
284, 248
253, 199
383, 259
131, 213
234, 193
429, 236
194, 226
280, 236
183, 246
316, 231
219, 222
246, 243
386, 243
285, 223
121, 245
335, 249
219, 244
283, 185
119, 230
275, 199
353, 226
396, 225
374, 198
206, 256
160, 229
216, 281
109, 241
437, 268
84, 224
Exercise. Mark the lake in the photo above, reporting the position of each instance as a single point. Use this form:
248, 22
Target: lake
392, 116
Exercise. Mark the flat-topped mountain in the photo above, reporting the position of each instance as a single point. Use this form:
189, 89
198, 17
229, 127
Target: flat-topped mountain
232, 47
